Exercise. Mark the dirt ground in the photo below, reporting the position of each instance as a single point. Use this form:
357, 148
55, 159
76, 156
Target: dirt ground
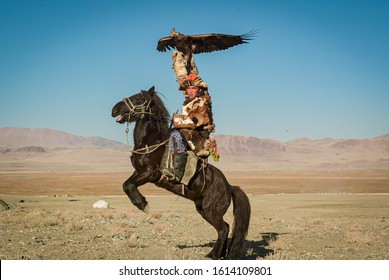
295, 215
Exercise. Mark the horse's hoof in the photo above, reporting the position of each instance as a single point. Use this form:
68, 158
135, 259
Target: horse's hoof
146, 209
211, 256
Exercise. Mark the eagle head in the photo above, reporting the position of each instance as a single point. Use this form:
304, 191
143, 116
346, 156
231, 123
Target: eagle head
174, 33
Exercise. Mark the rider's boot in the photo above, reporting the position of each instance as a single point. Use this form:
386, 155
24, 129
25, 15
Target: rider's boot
179, 162
174, 172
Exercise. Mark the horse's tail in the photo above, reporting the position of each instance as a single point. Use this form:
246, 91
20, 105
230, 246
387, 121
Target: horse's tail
242, 212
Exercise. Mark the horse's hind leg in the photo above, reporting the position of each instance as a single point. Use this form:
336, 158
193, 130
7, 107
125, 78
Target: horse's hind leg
216, 220
219, 250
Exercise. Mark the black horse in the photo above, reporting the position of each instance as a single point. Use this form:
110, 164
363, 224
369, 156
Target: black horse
209, 189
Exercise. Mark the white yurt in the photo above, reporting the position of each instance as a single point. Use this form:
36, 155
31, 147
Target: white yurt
101, 204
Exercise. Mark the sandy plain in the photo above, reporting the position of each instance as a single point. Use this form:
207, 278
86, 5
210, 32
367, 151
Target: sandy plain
295, 215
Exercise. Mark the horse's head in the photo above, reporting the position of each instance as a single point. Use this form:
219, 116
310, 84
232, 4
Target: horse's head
135, 107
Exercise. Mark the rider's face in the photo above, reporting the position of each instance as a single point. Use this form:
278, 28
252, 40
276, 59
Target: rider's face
192, 91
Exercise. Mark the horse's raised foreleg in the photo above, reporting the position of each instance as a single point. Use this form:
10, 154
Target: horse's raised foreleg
130, 187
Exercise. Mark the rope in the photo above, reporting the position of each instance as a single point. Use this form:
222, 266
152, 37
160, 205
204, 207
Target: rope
141, 109
203, 165
148, 149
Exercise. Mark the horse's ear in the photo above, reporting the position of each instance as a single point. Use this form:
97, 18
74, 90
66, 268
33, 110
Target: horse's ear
151, 91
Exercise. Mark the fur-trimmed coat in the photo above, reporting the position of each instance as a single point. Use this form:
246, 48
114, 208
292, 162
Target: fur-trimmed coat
197, 113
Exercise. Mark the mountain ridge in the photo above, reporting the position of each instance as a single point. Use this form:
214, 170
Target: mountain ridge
13, 137
24, 148
51, 138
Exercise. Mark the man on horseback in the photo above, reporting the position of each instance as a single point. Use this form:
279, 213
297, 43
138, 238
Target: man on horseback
209, 190
192, 128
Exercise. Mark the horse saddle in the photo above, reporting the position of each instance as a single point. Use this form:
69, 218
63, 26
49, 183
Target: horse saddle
192, 165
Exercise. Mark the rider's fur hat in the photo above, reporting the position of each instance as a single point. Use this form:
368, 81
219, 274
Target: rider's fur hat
194, 80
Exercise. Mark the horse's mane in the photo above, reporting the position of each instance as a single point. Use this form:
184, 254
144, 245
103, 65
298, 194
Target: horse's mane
161, 116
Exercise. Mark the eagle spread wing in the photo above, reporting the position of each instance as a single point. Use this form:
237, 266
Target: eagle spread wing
202, 43
165, 44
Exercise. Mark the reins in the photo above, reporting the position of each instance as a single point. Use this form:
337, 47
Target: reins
148, 149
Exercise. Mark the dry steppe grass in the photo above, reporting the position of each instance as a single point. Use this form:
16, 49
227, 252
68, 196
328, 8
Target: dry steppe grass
253, 182
295, 215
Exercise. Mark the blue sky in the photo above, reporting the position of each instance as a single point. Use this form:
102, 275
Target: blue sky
316, 68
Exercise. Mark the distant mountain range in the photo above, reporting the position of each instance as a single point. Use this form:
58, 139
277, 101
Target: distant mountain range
13, 137
325, 153
46, 149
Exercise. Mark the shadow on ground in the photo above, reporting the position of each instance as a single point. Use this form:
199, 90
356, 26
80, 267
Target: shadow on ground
253, 249
257, 249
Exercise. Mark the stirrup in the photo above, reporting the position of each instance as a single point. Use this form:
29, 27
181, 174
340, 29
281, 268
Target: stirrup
168, 174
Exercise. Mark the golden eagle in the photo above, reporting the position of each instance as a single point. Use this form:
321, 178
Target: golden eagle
194, 44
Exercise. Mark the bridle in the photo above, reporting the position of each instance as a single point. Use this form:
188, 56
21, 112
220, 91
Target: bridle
141, 109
